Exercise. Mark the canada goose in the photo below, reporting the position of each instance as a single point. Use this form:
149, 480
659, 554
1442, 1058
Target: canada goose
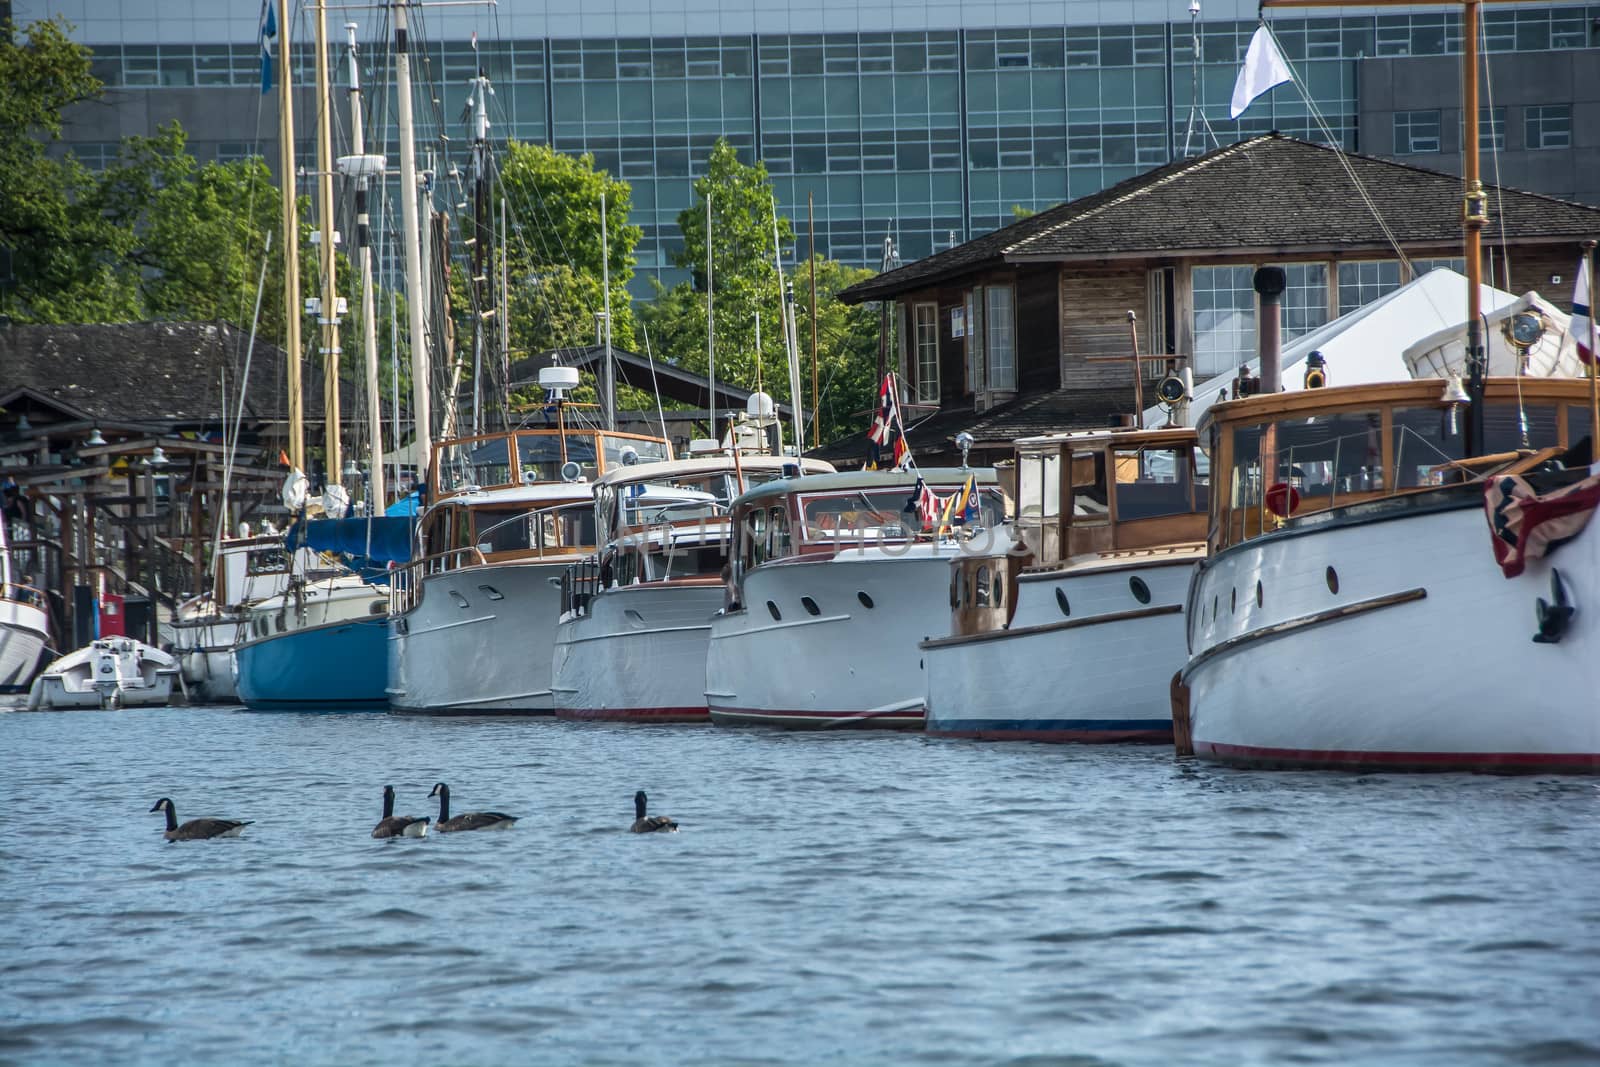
472, 820
648, 824
197, 829
393, 825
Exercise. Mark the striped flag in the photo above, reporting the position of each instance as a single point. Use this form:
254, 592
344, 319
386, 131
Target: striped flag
1583, 326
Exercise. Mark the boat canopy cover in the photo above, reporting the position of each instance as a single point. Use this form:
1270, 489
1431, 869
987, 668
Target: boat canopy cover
364, 541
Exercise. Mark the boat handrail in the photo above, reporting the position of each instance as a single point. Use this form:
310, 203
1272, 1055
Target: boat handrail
405, 587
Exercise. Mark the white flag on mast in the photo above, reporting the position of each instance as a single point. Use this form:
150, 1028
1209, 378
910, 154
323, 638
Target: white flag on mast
1263, 68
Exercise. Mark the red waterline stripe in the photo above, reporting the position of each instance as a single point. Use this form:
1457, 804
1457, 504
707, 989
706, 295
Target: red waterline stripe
1088, 737
1588, 762
688, 714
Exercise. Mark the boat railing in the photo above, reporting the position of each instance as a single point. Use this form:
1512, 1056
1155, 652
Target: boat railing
405, 583
579, 585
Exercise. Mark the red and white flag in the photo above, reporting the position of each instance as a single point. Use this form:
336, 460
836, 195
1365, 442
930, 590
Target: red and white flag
883, 422
1583, 326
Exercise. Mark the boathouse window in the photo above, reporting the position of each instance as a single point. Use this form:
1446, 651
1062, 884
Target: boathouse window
1363, 282
1000, 342
1305, 299
927, 340
1224, 318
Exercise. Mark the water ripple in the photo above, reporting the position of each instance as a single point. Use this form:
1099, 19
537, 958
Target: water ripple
832, 899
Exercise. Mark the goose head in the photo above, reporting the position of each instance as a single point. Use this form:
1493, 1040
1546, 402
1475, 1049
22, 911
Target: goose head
640, 802
439, 790
164, 804
388, 801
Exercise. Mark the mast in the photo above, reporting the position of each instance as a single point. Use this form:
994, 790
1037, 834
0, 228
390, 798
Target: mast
480, 238
1475, 215
811, 225
328, 310
360, 166
415, 301
711, 328
608, 376
291, 244
505, 321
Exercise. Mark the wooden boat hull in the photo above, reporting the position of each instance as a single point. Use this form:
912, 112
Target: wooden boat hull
637, 654
1094, 671
1388, 639
479, 641
338, 666
778, 662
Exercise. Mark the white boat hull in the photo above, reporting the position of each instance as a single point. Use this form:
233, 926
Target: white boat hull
847, 665
638, 654
204, 647
114, 672
1098, 671
23, 630
1419, 656
478, 641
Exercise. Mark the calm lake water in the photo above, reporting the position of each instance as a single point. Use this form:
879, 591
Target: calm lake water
830, 899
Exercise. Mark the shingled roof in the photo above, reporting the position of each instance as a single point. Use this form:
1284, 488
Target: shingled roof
159, 373
1270, 193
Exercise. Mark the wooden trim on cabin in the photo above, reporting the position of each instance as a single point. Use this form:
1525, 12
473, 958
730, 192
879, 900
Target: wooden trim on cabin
1304, 622
1052, 627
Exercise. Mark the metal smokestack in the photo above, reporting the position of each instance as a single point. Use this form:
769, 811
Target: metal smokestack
1270, 283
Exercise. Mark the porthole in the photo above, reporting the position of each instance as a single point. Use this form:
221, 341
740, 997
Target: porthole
634, 616
491, 592
378, 607
999, 592
1333, 581
1061, 601
955, 591
1141, 592
1233, 601
810, 606
1258, 594
773, 608
866, 601
1213, 608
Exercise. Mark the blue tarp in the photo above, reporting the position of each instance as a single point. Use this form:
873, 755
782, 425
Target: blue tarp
366, 541
410, 504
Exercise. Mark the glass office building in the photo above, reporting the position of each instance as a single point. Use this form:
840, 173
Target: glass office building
931, 122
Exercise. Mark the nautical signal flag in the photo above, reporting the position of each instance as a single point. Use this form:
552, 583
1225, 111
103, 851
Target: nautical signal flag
883, 423
1583, 325
1263, 68
901, 452
269, 36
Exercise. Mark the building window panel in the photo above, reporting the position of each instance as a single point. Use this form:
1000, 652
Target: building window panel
1548, 126
1224, 318
1415, 132
1361, 283
1305, 300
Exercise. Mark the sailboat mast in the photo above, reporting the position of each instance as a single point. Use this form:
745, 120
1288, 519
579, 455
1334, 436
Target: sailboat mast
608, 377
361, 165
1475, 216
291, 243
480, 240
711, 330
415, 302
328, 313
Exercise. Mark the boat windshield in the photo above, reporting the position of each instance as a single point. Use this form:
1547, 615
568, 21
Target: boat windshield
891, 514
539, 455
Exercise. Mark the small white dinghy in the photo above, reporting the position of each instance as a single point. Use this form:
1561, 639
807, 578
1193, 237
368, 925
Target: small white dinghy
113, 672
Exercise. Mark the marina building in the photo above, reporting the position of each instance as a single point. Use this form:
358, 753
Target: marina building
927, 121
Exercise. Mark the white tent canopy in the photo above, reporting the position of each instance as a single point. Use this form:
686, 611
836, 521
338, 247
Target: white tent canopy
1368, 344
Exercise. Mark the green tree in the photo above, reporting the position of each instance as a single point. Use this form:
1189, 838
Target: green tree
553, 255
847, 351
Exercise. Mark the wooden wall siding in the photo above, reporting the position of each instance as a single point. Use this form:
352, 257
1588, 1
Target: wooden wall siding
1532, 267
1038, 340
1094, 307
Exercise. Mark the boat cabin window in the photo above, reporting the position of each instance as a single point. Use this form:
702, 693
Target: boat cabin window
881, 514
1090, 501
479, 463
1039, 486
534, 530
753, 538
648, 451
700, 561
1154, 482
539, 456
778, 532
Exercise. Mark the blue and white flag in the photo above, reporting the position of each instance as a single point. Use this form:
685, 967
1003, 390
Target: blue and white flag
269, 37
